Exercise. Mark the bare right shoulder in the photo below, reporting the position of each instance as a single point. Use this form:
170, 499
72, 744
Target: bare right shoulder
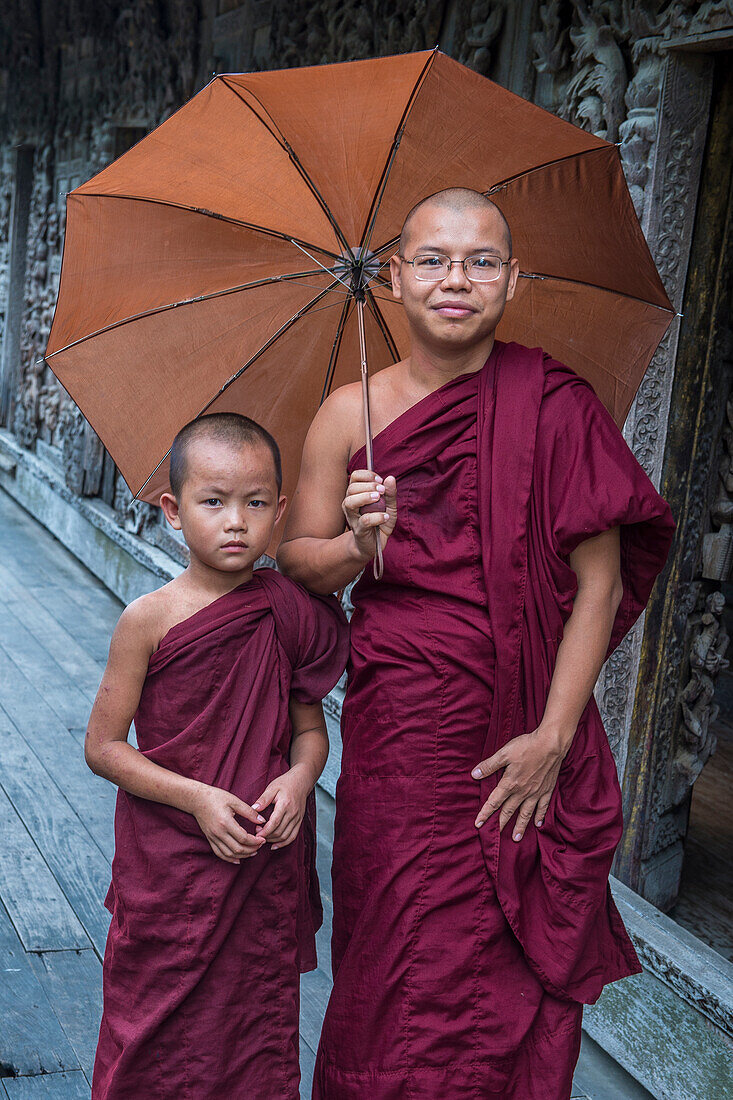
334, 427
141, 622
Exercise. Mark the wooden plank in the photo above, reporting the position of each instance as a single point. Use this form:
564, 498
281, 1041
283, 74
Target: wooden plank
56, 640
52, 683
58, 750
40, 913
31, 1038
75, 616
315, 989
77, 863
72, 982
18, 529
51, 1086
307, 1066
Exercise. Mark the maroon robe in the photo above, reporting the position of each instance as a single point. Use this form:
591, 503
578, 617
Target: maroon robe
462, 958
203, 957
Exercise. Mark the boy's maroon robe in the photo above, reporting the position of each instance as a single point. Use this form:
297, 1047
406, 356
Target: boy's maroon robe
461, 958
202, 965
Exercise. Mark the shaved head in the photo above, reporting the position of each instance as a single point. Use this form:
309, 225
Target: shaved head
459, 200
231, 428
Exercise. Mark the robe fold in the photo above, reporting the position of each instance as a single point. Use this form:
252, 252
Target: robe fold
203, 957
461, 958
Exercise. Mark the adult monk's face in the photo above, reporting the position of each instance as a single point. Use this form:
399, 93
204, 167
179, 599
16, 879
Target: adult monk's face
454, 313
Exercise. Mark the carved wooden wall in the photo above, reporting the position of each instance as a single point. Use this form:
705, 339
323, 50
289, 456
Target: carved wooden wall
80, 79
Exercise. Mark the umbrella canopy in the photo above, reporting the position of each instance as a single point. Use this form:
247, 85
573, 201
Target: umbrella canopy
213, 266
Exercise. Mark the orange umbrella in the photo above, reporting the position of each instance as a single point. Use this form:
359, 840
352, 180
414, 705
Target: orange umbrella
230, 260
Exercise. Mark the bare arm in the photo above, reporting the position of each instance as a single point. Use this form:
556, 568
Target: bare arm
327, 542
532, 761
289, 792
108, 753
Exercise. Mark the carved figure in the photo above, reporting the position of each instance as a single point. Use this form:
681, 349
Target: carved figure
707, 661
486, 20
595, 95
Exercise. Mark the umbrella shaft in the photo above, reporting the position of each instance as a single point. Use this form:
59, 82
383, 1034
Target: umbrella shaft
378, 559
365, 384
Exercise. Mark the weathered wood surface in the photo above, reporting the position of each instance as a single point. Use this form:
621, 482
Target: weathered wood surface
40, 913
53, 1086
72, 982
55, 623
32, 1039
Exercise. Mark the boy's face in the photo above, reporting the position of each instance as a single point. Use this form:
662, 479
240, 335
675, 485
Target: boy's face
228, 505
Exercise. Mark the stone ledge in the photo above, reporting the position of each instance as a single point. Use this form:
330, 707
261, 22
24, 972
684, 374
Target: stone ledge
682, 1003
128, 565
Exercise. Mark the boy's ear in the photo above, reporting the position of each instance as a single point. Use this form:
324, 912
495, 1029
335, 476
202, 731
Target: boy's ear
280, 508
169, 504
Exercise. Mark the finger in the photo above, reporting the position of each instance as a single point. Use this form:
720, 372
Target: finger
524, 817
290, 833
236, 833
222, 852
353, 502
489, 766
240, 845
508, 810
266, 799
390, 490
244, 810
491, 805
286, 840
364, 475
542, 807
289, 823
275, 821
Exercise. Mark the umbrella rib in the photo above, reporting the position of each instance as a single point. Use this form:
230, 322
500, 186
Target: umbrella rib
186, 302
380, 188
261, 351
285, 145
371, 301
541, 167
213, 214
331, 369
326, 269
595, 286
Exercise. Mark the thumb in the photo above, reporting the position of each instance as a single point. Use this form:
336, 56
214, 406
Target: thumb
266, 798
390, 492
241, 808
489, 766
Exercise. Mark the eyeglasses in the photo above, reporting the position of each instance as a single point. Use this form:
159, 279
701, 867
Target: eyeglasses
434, 267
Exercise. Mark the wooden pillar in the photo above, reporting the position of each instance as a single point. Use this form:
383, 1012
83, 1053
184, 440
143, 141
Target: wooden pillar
19, 211
658, 774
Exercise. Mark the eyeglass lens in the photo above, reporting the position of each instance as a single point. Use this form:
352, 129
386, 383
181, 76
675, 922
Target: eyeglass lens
431, 268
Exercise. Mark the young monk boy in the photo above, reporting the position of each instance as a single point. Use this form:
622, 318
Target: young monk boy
214, 899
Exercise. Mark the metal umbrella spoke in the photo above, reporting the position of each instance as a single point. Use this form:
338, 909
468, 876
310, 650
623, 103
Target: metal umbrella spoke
187, 302
307, 308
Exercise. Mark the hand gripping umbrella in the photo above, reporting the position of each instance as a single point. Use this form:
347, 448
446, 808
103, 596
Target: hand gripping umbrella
232, 260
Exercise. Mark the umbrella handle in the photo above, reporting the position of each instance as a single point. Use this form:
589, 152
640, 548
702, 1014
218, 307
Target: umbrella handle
378, 563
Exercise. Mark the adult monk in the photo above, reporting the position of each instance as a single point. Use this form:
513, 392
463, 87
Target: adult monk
478, 807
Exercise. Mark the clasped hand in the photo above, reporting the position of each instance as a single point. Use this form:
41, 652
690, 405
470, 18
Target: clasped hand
366, 488
216, 810
531, 764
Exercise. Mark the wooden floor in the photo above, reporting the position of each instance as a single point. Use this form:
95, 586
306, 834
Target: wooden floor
56, 828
